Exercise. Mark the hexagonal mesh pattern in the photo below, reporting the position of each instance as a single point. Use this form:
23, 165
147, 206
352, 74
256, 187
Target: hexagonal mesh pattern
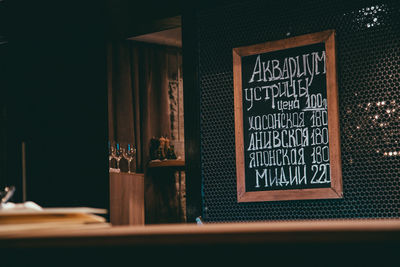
368, 58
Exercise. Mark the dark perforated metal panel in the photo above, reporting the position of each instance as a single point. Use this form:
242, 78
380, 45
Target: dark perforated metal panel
368, 58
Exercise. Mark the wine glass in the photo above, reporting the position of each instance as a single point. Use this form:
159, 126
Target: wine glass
111, 153
129, 155
118, 154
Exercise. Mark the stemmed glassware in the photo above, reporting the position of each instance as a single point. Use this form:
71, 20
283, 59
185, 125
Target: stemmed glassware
111, 153
117, 154
129, 154
117, 151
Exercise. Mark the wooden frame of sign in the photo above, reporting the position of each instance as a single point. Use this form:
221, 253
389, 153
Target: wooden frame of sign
273, 183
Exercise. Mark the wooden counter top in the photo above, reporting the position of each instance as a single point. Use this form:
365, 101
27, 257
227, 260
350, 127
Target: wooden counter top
332, 231
301, 243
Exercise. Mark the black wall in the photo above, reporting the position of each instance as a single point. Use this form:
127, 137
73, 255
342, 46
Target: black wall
57, 102
368, 50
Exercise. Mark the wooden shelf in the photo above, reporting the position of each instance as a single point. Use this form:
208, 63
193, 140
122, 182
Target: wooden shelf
166, 163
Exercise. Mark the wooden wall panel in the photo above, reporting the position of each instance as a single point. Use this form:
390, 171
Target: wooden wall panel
126, 198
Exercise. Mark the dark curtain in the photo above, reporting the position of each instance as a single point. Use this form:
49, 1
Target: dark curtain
139, 110
138, 86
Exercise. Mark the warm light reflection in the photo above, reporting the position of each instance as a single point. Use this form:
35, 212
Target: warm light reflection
390, 153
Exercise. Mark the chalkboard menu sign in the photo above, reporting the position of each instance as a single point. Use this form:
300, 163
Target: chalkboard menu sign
286, 119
